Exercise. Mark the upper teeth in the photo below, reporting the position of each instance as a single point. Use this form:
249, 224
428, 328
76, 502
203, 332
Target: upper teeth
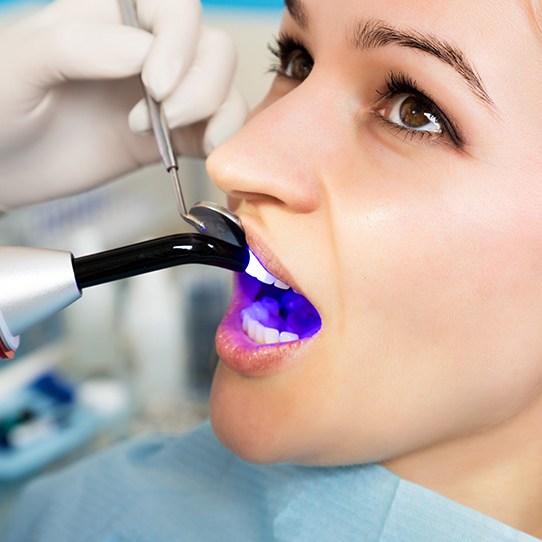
257, 270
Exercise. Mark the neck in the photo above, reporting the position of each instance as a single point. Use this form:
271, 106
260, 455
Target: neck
497, 472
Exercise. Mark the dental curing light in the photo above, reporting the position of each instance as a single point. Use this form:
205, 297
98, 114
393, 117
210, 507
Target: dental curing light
37, 283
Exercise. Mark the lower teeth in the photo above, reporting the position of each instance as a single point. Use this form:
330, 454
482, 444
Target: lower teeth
261, 334
273, 321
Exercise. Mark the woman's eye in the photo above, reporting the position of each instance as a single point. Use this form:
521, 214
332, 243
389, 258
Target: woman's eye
298, 65
404, 107
293, 60
413, 113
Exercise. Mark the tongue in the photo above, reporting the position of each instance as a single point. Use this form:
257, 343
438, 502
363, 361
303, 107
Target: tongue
301, 317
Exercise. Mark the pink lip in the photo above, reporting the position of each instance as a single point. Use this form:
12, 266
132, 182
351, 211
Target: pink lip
270, 261
237, 351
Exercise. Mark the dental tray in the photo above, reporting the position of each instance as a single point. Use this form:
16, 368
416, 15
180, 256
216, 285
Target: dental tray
41, 423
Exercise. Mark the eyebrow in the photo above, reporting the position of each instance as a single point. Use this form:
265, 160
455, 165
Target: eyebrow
298, 12
373, 33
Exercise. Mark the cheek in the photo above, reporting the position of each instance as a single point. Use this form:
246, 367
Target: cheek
450, 287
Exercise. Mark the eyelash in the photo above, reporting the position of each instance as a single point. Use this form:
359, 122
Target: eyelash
398, 84
282, 49
285, 46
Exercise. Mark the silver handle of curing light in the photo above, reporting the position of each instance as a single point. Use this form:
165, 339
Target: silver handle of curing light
35, 284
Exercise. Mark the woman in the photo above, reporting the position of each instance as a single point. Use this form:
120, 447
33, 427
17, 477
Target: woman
391, 178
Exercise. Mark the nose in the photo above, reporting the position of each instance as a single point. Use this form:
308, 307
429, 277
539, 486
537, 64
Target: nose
275, 156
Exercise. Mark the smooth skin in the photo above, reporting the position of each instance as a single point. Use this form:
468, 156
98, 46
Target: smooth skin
422, 252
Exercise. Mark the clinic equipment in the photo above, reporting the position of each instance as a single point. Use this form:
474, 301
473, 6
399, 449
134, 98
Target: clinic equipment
203, 216
37, 283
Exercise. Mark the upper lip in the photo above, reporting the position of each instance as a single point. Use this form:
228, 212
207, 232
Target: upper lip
268, 259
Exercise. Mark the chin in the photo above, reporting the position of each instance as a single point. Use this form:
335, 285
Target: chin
243, 423
262, 422
250, 447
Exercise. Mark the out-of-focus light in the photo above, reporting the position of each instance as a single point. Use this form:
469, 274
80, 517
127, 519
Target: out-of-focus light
265, 4
251, 4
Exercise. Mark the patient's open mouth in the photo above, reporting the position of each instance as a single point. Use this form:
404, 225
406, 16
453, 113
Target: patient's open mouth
276, 313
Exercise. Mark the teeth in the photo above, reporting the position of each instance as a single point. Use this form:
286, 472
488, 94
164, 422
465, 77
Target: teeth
271, 336
253, 328
265, 335
286, 337
281, 285
268, 278
256, 269
246, 322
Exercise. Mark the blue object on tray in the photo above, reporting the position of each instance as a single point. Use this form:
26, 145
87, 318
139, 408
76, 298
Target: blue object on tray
41, 423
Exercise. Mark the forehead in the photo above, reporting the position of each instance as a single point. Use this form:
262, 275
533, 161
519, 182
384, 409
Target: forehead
452, 18
500, 39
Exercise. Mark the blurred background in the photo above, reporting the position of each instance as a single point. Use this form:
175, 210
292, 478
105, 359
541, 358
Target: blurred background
134, 356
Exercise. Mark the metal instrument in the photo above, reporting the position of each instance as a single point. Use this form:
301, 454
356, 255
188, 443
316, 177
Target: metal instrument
37, 283
207, 217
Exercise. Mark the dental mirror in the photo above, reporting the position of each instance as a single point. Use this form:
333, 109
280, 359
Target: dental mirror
219, 222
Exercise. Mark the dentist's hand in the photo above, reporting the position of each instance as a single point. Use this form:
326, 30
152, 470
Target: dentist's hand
69, 110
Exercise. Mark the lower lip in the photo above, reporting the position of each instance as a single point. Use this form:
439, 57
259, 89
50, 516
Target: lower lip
242, 355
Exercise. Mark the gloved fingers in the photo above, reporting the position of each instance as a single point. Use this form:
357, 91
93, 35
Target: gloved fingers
200, 138
204, 88
86, 51
63, 11
227, 120
175, 25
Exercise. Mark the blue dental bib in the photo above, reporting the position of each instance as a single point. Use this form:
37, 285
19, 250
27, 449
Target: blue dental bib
190, 488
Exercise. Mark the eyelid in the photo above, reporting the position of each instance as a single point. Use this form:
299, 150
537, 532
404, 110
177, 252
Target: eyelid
281, 48
407, 133
398, 83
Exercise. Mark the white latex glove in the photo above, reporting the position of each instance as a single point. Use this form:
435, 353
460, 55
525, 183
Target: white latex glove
69, 84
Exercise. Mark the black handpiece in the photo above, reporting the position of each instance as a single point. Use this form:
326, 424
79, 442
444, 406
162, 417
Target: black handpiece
161, 253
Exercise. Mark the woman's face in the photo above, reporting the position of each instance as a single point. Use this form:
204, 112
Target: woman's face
393, 177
